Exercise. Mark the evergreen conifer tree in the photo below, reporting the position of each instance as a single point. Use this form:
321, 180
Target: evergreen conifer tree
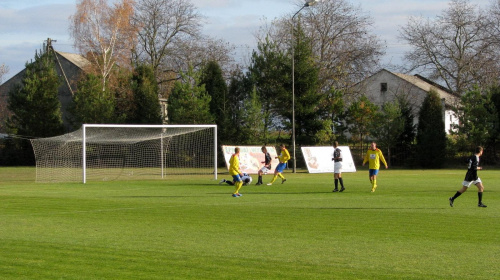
310, 109
216, 87
146, 106
431, 135
92, 104
405, 141
35, 106
268, 72
189, 102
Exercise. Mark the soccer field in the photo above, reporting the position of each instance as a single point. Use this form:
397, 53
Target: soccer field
191, 228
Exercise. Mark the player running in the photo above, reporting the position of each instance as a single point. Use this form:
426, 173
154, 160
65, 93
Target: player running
267, 165
283, 157
472, 178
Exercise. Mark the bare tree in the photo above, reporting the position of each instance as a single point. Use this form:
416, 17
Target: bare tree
104, 33
344, 42
194, 54
163, 24
198, 52
345, 48
3, 105
3, 70
456, 47
494, 25
494, 17
170, 40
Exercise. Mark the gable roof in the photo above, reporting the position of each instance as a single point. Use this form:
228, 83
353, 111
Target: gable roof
419, 82
423, 83
76, 59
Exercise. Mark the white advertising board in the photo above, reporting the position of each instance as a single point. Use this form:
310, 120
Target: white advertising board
251, 157
319, 159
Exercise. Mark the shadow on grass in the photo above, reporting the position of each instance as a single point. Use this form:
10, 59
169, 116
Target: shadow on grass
278, 193
376, 208
152, 196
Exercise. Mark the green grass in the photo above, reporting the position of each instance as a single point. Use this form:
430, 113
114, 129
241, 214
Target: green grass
191, 228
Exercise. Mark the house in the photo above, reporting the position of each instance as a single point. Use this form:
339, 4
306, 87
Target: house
68, 66
385, 86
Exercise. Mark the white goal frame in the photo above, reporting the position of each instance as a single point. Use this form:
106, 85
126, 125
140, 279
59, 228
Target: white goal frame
164, 149
84, 142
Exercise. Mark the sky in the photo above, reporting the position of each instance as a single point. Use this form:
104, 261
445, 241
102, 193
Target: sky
26, 24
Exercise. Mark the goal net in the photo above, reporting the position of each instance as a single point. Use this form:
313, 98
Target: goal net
126, 152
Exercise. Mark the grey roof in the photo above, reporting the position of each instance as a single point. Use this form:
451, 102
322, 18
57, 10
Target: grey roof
426, 86
76, 59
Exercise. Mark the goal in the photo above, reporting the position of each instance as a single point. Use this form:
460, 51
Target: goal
102, 152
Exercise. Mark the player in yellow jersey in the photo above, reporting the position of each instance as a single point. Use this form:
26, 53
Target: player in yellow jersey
374, 156
283, 157
234, 170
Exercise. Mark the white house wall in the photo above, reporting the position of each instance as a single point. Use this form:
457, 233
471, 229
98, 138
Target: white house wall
409, 87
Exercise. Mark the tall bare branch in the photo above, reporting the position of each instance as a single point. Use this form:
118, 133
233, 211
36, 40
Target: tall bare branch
3, 70
457, 47
163, 24
345, 48
104, 33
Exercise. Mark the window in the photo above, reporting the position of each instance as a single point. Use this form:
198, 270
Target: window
383, 87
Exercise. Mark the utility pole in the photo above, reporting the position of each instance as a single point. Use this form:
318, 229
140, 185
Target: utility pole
48, 46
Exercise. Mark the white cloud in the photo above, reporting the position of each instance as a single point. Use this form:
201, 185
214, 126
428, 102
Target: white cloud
49, 18
24, 30
213, 4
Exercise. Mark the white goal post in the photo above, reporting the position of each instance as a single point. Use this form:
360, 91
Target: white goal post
126, 152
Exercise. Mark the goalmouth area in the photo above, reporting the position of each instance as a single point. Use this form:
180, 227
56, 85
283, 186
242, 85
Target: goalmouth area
104, 152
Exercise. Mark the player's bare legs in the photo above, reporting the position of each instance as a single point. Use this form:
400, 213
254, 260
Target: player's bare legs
373, 181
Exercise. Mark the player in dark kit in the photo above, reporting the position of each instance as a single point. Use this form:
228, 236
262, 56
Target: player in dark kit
267, 165
472, 178
337, 167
